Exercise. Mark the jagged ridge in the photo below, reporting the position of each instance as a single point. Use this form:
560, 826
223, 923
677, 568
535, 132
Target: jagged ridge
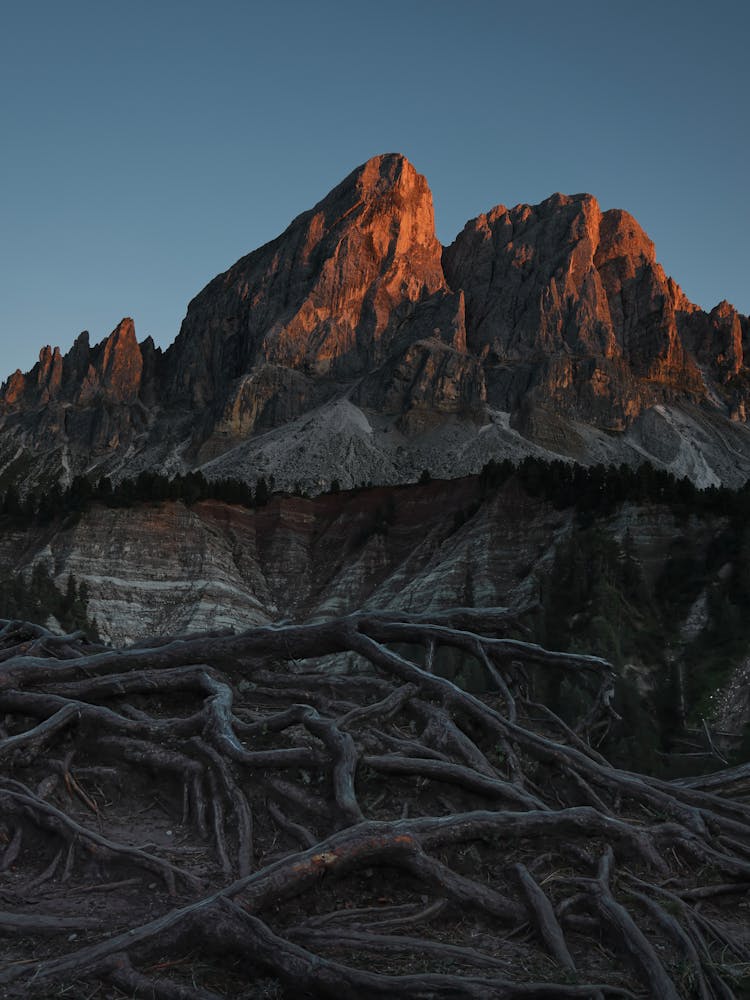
544, 328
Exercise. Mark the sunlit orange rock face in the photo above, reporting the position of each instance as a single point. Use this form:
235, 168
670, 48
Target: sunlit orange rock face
111, 370
84, 406
115, 367
555, 314
577, 293
348, 284
530, 284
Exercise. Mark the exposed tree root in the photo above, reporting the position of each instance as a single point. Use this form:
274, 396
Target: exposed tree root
253, 815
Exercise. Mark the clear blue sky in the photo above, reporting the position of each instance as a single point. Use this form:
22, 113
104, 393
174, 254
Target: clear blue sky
148, 145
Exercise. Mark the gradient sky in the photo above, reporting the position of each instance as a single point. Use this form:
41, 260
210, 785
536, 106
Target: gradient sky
147, 146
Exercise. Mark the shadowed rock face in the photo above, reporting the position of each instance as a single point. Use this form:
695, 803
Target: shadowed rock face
557, 315
717, 339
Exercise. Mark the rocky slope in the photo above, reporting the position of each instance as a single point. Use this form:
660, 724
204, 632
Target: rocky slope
662, 593
354, 337
660, 587
166, 567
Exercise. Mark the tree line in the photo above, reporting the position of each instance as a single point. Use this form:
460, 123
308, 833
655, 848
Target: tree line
44, 505
592, 490
597, 490
37, 598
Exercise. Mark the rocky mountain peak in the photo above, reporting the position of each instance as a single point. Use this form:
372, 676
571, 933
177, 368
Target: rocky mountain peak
545, 327
121, 363
401, 201
525, 272
553, 284
112, 368
717, 340
379, 176
349, 283
621, 237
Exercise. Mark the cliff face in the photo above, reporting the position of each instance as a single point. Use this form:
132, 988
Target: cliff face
542, 329
72, 412
575, 297
165, 568
349, 285
111, 371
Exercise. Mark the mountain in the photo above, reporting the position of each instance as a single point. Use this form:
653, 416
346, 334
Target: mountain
354, 347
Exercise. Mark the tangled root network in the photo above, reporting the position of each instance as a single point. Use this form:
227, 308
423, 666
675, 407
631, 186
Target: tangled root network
318, 811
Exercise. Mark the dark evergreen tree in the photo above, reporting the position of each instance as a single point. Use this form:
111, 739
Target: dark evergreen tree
262, 495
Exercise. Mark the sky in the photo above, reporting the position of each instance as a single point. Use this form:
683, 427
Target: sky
144, 147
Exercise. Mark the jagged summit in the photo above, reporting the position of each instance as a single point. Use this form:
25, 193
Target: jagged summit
377, 178
111, 369
328, 296
355, 347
